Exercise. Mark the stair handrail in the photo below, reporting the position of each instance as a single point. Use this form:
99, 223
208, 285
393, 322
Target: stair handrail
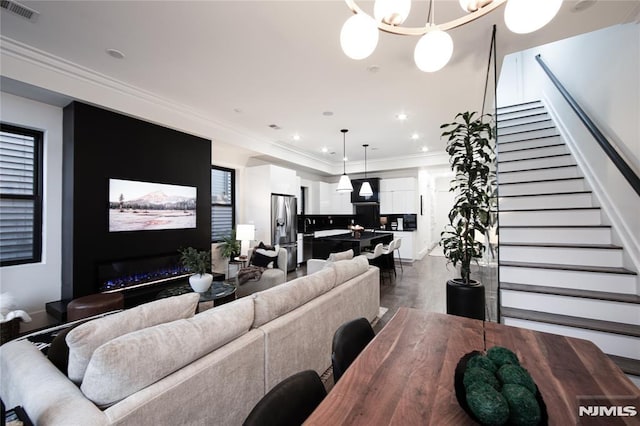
604, 143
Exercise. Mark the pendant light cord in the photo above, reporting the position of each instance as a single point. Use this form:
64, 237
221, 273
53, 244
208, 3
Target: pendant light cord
344, 151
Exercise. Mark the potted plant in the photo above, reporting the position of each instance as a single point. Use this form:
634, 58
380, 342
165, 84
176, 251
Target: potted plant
230, 247
471, 156
198, 263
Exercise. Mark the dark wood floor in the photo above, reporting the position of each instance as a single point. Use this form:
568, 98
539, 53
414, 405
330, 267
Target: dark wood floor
422, 285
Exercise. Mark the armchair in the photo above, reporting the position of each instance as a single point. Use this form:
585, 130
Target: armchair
270, 278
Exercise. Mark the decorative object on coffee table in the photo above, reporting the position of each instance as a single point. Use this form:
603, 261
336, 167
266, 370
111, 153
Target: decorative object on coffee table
198, 263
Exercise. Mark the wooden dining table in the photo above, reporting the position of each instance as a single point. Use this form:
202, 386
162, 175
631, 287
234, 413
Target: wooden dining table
405, 376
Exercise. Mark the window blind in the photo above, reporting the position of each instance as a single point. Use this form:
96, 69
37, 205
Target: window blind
20, 200
222, 203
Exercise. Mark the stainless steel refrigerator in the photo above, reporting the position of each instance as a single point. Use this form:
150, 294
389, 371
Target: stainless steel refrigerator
284, 226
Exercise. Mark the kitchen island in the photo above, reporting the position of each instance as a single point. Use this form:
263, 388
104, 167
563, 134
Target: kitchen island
323, 246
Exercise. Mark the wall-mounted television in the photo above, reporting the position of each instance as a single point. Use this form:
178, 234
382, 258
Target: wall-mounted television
143, 206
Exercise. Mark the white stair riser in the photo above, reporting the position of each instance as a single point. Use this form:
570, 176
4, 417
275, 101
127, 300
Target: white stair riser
518, 110
505, 122
511, 137
562, 255
548, 201
533, 143
545, 187
535, 163
556, 235
535, 124
580, 280
610, 343
542, 174
554, 217
605, 310
532, 153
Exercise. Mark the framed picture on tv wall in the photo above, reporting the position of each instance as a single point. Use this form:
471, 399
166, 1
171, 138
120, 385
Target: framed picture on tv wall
144, 206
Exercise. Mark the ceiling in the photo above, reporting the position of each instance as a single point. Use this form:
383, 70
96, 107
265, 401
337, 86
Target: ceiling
246, 65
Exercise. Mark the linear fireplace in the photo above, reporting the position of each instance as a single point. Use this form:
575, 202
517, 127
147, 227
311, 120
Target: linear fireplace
134, 273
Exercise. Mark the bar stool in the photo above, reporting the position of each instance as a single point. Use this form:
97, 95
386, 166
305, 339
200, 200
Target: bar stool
387, 252
397, 248
94, 304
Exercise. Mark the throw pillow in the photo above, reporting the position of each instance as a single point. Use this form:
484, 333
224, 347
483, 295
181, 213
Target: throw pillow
129, 363
58, 352
265, 256
343, 255
86, 338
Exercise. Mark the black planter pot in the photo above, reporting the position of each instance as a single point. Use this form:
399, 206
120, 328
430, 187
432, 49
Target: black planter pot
465, 300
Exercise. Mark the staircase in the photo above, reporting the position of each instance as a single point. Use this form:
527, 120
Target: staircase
559, 271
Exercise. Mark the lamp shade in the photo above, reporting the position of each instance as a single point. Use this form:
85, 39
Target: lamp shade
359, 36
433, 50
344, 184
392, 12
245, 232
365, 189
527, 16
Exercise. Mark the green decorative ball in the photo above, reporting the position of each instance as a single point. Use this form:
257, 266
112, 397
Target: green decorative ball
501, 356
524, 409
488, 405
514, 374
482, 361
477, 374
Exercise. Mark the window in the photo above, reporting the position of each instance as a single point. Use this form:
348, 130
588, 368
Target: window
20, 195
223, 217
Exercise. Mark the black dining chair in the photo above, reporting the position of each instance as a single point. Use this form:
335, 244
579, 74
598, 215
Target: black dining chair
290, 402
348, 341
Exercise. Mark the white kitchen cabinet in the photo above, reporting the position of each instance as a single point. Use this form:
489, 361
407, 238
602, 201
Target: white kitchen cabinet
398, 196
407, 249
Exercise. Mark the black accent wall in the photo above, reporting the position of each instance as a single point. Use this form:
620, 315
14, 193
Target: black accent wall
99, 145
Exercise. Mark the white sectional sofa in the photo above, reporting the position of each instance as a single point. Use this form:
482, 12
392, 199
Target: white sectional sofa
210, 368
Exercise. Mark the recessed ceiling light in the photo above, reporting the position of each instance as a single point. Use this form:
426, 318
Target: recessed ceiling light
325, 149
415, 136
425, 149
327, 113
115, 53
402, 116
296, 137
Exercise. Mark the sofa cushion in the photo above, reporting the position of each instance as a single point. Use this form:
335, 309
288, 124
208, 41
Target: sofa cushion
86, 338
347, 269
279, 300
129, 363
343, 255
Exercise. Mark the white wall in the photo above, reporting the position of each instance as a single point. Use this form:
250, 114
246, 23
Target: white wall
37, 283
601, 70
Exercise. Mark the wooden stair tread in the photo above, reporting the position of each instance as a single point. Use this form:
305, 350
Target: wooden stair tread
542, 180
564, 245
557, 209
570, 321
524, 116
526, 131
572, 292
524, 140
539, 104
583, 268
546, 120
556, 226
543, 194
538, 169
530, 148
534, 158
627, 365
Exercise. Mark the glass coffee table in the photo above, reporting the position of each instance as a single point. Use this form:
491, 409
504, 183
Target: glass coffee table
219, 293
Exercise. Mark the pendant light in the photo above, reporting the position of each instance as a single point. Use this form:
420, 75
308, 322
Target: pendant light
344, 185
434, 49
365, 189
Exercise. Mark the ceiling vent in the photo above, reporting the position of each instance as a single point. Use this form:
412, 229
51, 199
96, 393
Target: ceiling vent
20, 10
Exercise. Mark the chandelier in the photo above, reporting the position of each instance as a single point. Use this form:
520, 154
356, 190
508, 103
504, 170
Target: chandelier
359, 35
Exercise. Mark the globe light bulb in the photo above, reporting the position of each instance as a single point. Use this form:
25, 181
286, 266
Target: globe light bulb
359, 36
433, 50
392, 12
527, 16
